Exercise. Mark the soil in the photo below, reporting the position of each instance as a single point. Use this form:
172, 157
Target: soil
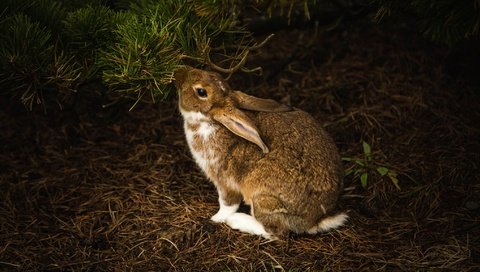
101, 191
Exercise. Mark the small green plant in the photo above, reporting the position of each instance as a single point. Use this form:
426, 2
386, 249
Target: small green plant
365, 166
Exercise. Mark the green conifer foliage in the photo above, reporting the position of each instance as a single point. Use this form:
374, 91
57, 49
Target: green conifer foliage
448, 21
31, 68
142, 59
49, 48
88, 31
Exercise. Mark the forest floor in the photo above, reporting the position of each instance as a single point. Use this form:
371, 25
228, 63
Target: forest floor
89, 192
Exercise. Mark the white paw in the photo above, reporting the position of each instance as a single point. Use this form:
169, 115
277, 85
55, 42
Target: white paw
224, 212
247, 223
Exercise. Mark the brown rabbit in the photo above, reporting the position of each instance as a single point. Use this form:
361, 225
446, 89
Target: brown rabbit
280, 161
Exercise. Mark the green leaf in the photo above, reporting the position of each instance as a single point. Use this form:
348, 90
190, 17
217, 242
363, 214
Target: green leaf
382, 170
393, 177
348, 172
356, 161
363, 180
359, 162
367, 150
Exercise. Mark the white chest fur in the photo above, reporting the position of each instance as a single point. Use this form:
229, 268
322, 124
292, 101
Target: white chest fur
199, 131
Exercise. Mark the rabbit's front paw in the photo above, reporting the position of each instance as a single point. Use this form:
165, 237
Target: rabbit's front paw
224, 212
247, 223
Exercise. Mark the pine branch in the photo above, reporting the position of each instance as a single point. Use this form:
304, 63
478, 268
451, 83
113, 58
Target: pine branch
50, 47
143, 59
30, 65
447, 21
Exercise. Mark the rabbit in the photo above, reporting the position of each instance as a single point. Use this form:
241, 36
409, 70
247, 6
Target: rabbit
275, 158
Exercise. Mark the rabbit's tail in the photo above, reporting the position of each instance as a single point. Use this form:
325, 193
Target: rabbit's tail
329, 223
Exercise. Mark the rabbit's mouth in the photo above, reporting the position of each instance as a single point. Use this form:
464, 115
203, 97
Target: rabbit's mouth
193, 116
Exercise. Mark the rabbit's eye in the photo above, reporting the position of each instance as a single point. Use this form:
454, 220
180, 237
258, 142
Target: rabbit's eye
201, 92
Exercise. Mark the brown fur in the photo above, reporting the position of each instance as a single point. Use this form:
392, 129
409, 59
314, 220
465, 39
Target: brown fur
290, 188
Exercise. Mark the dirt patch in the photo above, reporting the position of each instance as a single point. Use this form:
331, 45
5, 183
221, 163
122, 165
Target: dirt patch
82, 192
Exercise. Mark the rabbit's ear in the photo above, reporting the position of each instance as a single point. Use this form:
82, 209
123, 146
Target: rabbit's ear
239, 123
253, 103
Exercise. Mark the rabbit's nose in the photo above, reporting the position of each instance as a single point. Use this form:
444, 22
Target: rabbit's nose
179, 77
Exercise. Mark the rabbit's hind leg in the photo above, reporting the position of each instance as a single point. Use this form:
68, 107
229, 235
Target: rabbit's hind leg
274, 215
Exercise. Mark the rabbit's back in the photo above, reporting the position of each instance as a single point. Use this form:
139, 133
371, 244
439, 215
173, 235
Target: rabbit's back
303, 166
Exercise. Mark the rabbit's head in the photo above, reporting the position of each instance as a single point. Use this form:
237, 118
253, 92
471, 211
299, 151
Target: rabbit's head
208, 94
